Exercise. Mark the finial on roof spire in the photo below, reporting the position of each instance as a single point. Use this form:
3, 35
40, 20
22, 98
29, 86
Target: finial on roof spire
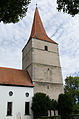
36, 4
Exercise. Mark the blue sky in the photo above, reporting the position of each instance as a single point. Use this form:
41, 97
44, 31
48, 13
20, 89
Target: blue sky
62, 28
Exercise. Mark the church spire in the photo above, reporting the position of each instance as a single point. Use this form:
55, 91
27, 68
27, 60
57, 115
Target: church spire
38, 30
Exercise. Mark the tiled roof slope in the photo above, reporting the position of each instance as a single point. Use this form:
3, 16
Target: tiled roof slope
9, 76
38, 30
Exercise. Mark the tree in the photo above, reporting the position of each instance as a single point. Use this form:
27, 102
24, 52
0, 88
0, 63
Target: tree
72, 87
65, 106
13, 10
40, 104
54, 105
68, 6
76, 109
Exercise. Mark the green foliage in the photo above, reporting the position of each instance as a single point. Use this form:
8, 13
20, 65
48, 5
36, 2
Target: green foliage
65, 106
52, 117
56, 117
76, 108
75, 116
72, 87
71, 84
40, 105
54, 105
13, 10
68, 6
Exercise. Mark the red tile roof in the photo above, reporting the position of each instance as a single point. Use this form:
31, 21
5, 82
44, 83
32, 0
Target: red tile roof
38, 30
9, 76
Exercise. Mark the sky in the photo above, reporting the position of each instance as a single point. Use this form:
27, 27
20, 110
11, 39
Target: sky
60, 27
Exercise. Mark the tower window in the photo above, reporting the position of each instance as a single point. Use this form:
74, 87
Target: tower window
46, 48
26, 108
9, 109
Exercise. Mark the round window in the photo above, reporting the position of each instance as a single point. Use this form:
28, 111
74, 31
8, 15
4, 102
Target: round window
10, 93
27, 94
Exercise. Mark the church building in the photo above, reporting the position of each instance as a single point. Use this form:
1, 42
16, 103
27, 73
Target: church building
40, 57
41, 72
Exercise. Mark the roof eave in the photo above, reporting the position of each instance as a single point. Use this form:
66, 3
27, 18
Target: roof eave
42, 40
16, 85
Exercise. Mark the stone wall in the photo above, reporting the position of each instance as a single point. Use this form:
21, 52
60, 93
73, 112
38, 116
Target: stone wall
27, 58
43, 67
51, 89
47, 73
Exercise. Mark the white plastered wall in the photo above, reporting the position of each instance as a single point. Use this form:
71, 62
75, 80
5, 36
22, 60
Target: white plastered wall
18, 100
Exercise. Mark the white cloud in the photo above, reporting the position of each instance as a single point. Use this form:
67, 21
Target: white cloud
61, 27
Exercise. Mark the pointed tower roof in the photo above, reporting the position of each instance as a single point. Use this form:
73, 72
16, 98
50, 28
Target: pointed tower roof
38, 30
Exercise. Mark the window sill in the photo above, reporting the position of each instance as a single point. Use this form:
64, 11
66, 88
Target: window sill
9, 115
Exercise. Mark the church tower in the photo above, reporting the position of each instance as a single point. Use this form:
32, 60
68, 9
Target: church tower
40, 57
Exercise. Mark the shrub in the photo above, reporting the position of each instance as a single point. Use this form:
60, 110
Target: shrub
40, 105
52, 117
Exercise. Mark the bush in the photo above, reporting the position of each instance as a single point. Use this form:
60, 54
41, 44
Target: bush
65, 106
56, 117
75, 116
52, 117
40, 105
76, 109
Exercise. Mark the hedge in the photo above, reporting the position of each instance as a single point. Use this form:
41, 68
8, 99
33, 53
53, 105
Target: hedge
52, 117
